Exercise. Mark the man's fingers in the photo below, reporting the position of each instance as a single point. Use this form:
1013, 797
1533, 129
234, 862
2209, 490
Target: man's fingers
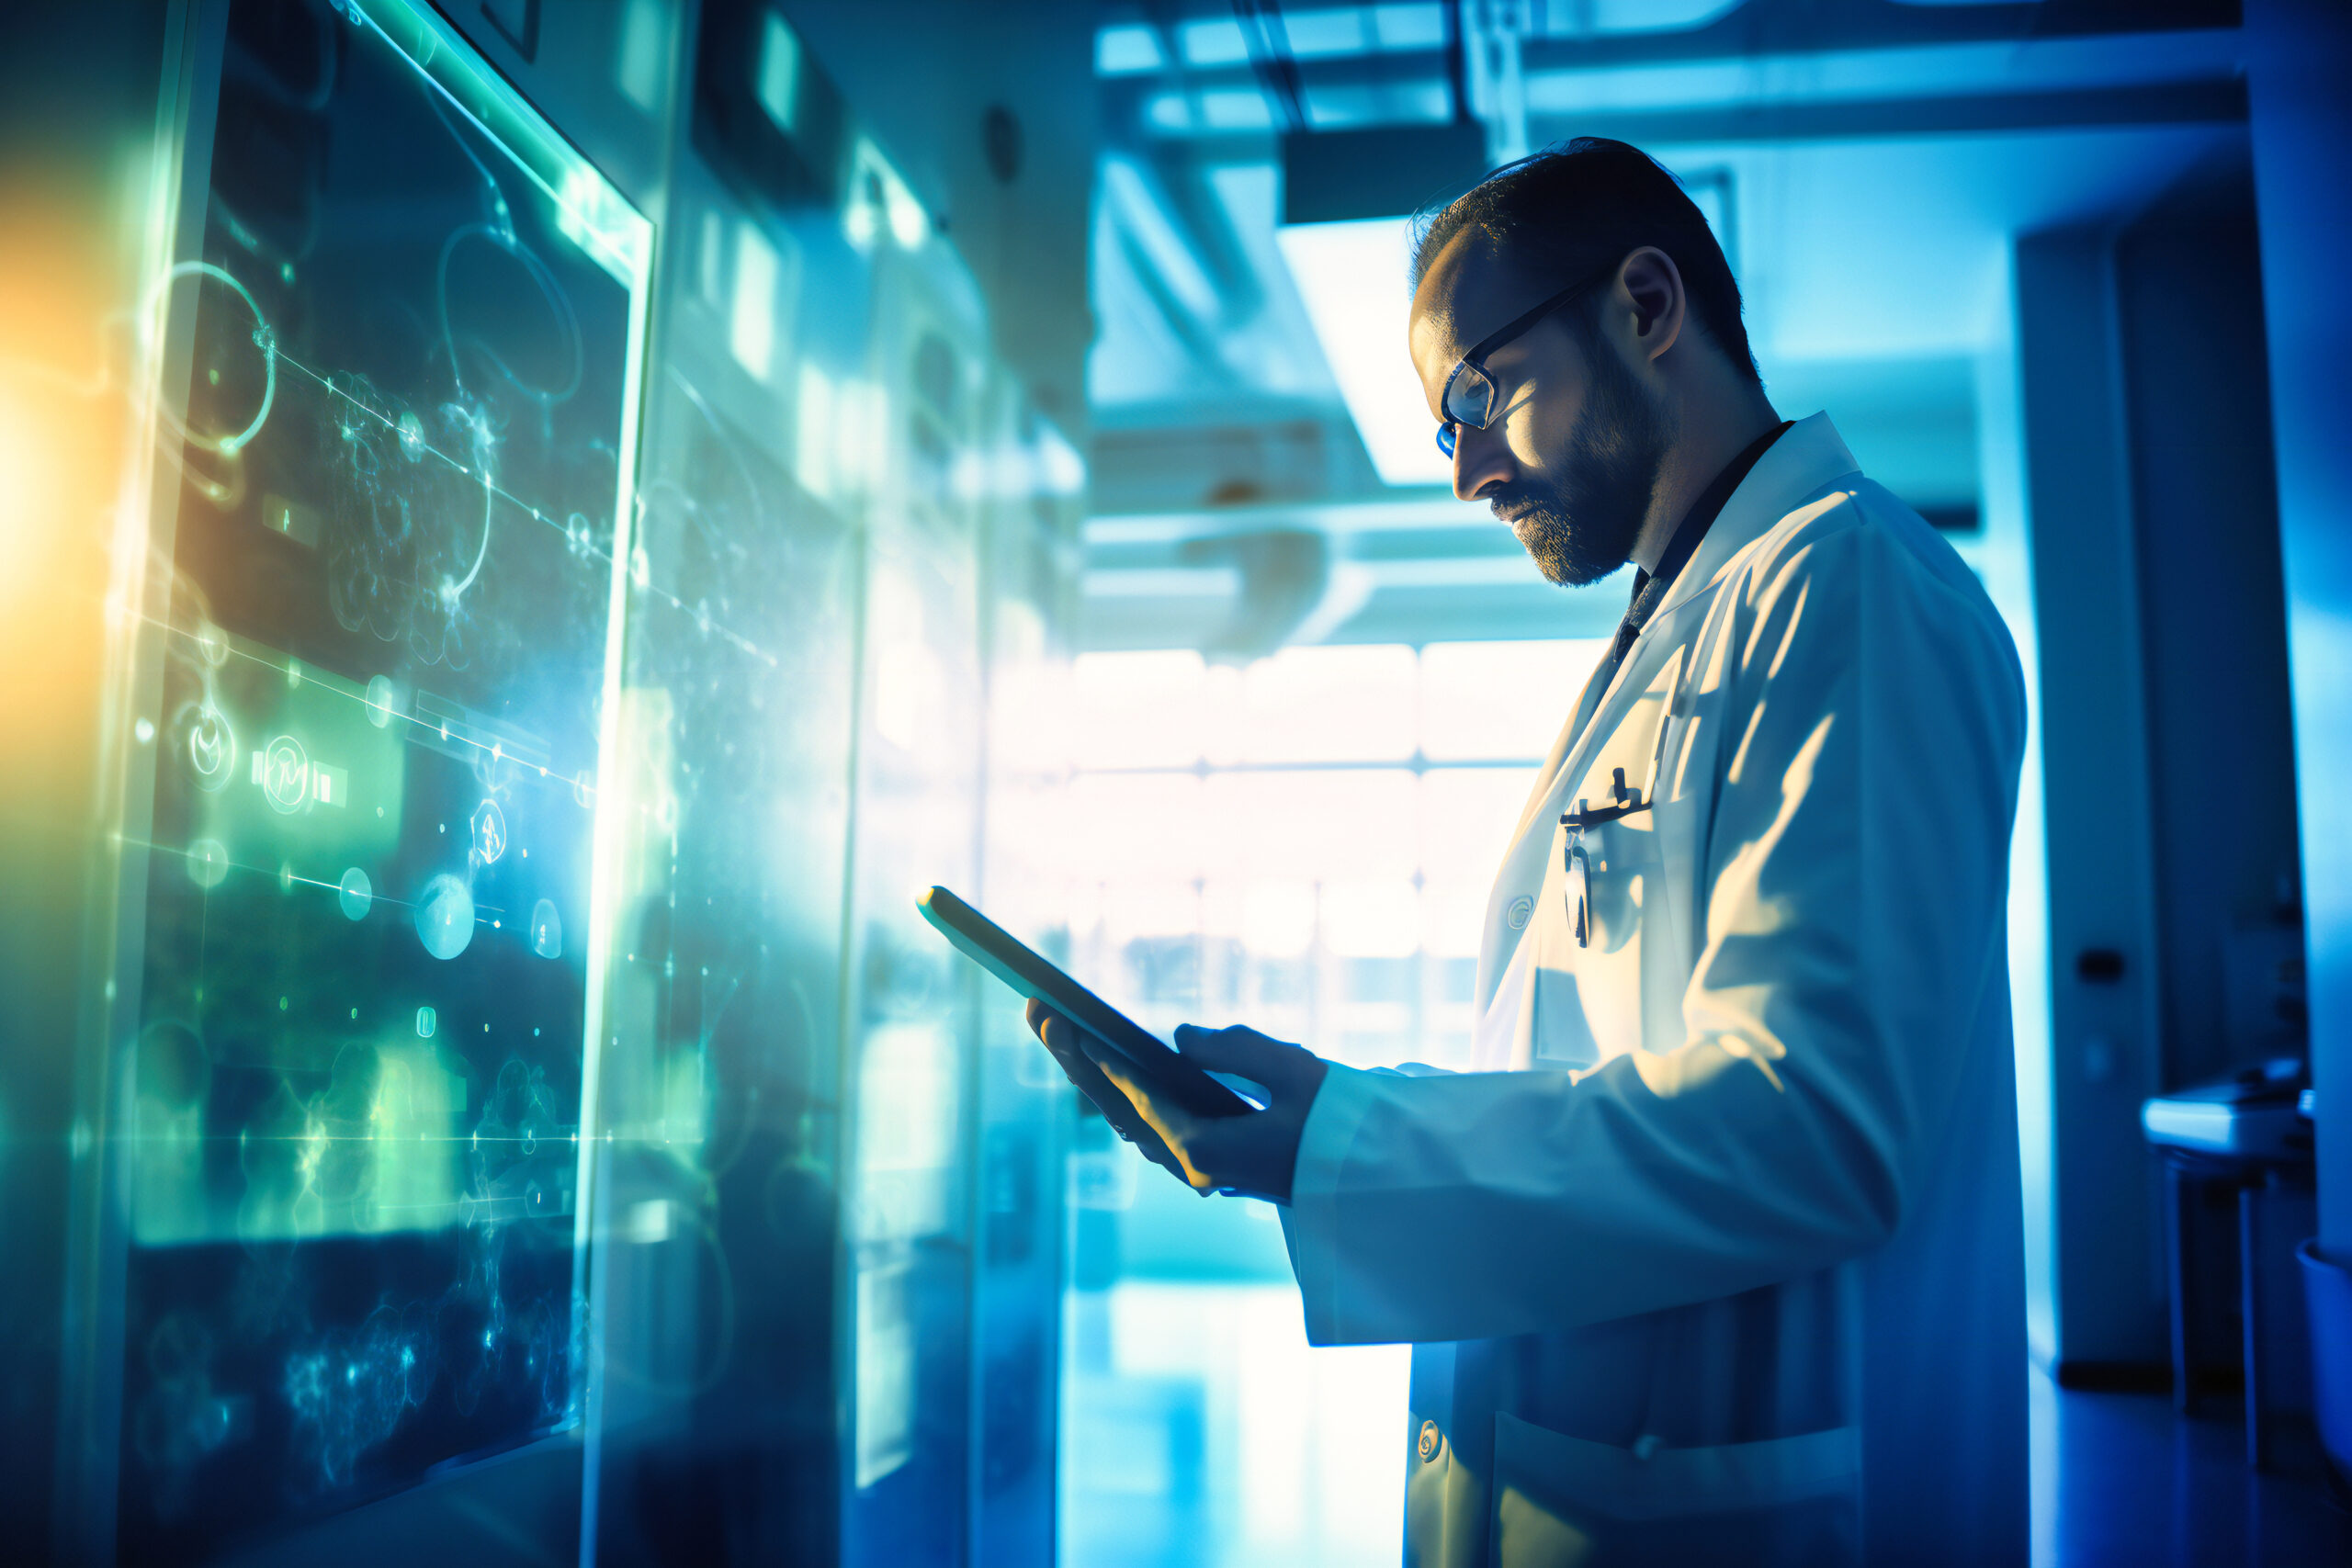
1068, 1044
1061, 1038
1172, 1126
1171, 1121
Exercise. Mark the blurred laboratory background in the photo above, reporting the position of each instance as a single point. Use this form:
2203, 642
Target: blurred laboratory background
532, 527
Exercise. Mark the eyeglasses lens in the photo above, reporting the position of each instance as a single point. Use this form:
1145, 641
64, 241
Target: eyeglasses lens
1469, 397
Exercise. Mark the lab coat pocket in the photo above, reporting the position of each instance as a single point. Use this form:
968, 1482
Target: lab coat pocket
1589, 996
1562, 1502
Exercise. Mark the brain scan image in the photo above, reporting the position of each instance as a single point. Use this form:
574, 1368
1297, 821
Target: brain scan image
445, 917
490, 832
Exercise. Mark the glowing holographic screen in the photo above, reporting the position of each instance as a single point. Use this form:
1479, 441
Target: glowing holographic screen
353, 1205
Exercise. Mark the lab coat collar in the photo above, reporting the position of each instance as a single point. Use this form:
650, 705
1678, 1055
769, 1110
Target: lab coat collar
1807, 458
1809, 454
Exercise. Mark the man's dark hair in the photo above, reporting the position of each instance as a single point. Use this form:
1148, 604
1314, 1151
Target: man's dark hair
1574, 209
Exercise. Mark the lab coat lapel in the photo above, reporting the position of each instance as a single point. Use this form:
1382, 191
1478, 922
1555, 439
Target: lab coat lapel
1807, 458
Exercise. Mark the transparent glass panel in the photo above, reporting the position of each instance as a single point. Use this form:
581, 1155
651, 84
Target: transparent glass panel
366, 994
1323, 705
1465, 820
1131, 827
1311, 826
1137, 710
1497, 701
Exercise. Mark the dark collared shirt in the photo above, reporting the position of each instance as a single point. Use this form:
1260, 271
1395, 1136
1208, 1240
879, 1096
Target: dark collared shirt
1650, 588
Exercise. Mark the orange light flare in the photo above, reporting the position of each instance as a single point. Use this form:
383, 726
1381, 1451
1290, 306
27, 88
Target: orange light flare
66, 279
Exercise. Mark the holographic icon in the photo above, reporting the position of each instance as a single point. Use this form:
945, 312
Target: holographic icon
584, 787
286, 774
211, 750
546, 930
412, 431
445, 917
213, 643
490, 832
355, 892
427, 1022
207, 862
381, 697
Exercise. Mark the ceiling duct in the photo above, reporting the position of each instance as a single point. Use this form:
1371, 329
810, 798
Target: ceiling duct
1333, 175
1284, 572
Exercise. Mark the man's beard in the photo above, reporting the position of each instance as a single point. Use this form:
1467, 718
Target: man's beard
1582, 529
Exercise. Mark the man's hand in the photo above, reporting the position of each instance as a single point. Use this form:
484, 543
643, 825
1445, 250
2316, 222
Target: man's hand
1254, 1155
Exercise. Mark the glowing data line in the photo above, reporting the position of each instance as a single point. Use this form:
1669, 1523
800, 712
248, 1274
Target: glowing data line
584, 785
578, 538
580, 782
282, 874
264, 339
393, 1140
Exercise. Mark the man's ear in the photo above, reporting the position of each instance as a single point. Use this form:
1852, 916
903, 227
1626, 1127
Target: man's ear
1654, 283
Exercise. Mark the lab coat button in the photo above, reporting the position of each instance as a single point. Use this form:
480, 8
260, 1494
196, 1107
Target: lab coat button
1521, 909
1432, 1440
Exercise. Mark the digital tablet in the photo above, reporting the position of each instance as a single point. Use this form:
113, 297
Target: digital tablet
1004, 956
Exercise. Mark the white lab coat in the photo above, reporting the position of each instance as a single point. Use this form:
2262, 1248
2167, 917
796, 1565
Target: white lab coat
1717, 1256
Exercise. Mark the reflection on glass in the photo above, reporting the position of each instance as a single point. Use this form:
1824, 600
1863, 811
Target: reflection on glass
356, 1091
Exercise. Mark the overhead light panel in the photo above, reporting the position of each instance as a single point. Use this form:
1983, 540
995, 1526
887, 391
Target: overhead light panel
1353, 278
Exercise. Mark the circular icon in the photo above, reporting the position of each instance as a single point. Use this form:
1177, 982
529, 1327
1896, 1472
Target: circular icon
207, 862
445, 917
381, 696
490, 832
427, 1022
1517, 915
355, 892
211, 750
286, 774
1431, 1440
546, 930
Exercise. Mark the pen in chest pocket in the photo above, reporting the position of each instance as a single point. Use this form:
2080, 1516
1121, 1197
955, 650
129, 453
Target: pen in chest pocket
1577, 863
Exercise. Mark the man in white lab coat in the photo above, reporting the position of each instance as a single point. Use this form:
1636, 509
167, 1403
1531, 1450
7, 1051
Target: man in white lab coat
1716, 1258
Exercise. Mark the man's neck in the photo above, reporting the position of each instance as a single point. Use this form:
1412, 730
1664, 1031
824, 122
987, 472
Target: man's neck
1705, 448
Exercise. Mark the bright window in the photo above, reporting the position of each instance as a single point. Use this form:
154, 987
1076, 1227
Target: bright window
1304, 844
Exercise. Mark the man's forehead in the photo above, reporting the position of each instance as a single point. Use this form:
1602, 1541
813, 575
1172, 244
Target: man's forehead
1469, 289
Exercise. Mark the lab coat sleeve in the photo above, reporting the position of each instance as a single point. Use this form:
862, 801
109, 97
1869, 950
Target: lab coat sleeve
1853, 888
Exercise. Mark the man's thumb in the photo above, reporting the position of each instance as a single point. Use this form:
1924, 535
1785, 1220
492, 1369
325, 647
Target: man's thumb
1241, 1050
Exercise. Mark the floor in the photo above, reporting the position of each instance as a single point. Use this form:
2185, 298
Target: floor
2120, 1479
1200, 1429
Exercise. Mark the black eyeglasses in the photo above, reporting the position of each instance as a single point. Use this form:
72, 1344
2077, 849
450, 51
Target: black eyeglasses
1470, 393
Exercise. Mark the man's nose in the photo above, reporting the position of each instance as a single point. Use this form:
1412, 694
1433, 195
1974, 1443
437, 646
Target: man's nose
1481, 460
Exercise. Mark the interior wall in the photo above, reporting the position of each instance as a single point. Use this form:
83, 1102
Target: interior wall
1012, 191
2301, 117
2106, 1296
2221, 747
